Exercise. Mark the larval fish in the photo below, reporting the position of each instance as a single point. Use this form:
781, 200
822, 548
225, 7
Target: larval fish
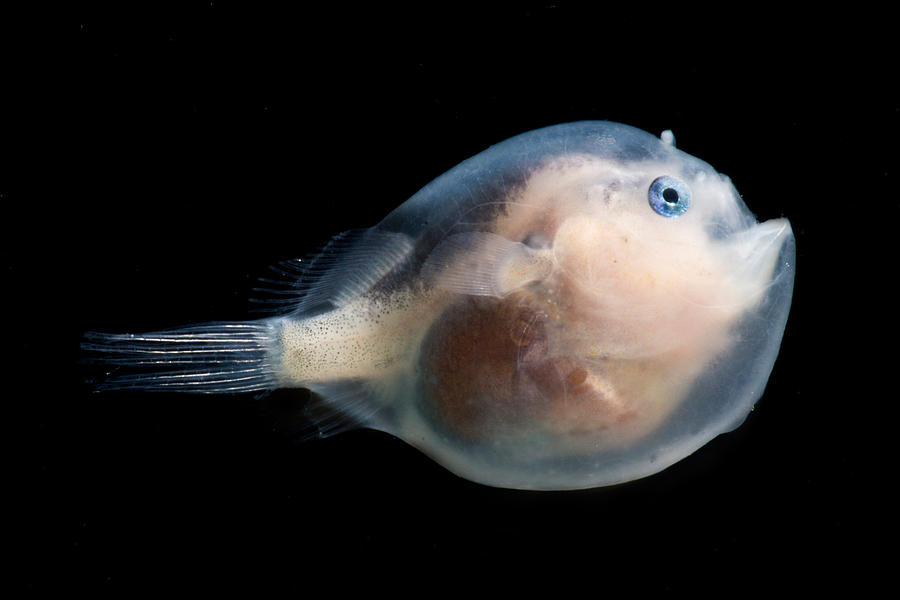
577, 306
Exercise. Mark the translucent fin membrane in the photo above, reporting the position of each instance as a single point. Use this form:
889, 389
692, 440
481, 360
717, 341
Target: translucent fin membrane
350, 264
214, 358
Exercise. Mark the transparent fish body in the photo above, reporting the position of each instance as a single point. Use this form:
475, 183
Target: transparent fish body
548, 314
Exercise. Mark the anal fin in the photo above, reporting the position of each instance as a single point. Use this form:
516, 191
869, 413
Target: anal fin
323, 410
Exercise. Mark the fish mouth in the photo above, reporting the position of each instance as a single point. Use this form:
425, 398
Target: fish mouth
763, 254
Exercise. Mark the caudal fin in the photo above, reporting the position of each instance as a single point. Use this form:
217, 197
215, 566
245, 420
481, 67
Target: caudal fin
215, 358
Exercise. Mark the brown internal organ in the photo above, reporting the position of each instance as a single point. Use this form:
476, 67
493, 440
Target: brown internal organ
488, 370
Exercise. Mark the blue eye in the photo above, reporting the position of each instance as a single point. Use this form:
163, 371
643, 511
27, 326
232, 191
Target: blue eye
669, 197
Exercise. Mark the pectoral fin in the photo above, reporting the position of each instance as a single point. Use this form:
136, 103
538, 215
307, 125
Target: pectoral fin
484, 264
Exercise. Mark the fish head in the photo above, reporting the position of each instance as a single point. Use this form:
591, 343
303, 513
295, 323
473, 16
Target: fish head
660, 256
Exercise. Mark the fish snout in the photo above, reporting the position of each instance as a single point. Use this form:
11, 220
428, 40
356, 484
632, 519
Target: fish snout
764, 253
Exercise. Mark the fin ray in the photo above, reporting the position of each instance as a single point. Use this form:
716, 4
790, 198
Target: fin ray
484, 264
349, 265
211, 358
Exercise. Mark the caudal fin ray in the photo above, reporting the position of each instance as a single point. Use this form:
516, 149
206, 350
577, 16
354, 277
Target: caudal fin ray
210, 358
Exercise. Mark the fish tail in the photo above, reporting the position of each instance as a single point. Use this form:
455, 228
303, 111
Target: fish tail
213, 358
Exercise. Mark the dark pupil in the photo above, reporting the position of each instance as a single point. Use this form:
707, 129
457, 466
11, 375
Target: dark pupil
670, 195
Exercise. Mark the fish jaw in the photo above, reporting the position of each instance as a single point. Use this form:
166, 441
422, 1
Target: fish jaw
756, 251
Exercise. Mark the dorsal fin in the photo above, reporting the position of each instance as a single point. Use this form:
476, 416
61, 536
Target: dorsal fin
347, 266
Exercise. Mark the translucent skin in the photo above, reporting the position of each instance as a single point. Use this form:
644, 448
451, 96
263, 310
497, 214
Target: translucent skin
537, 317
547, 329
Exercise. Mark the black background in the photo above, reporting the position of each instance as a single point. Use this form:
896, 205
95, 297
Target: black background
155, 160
